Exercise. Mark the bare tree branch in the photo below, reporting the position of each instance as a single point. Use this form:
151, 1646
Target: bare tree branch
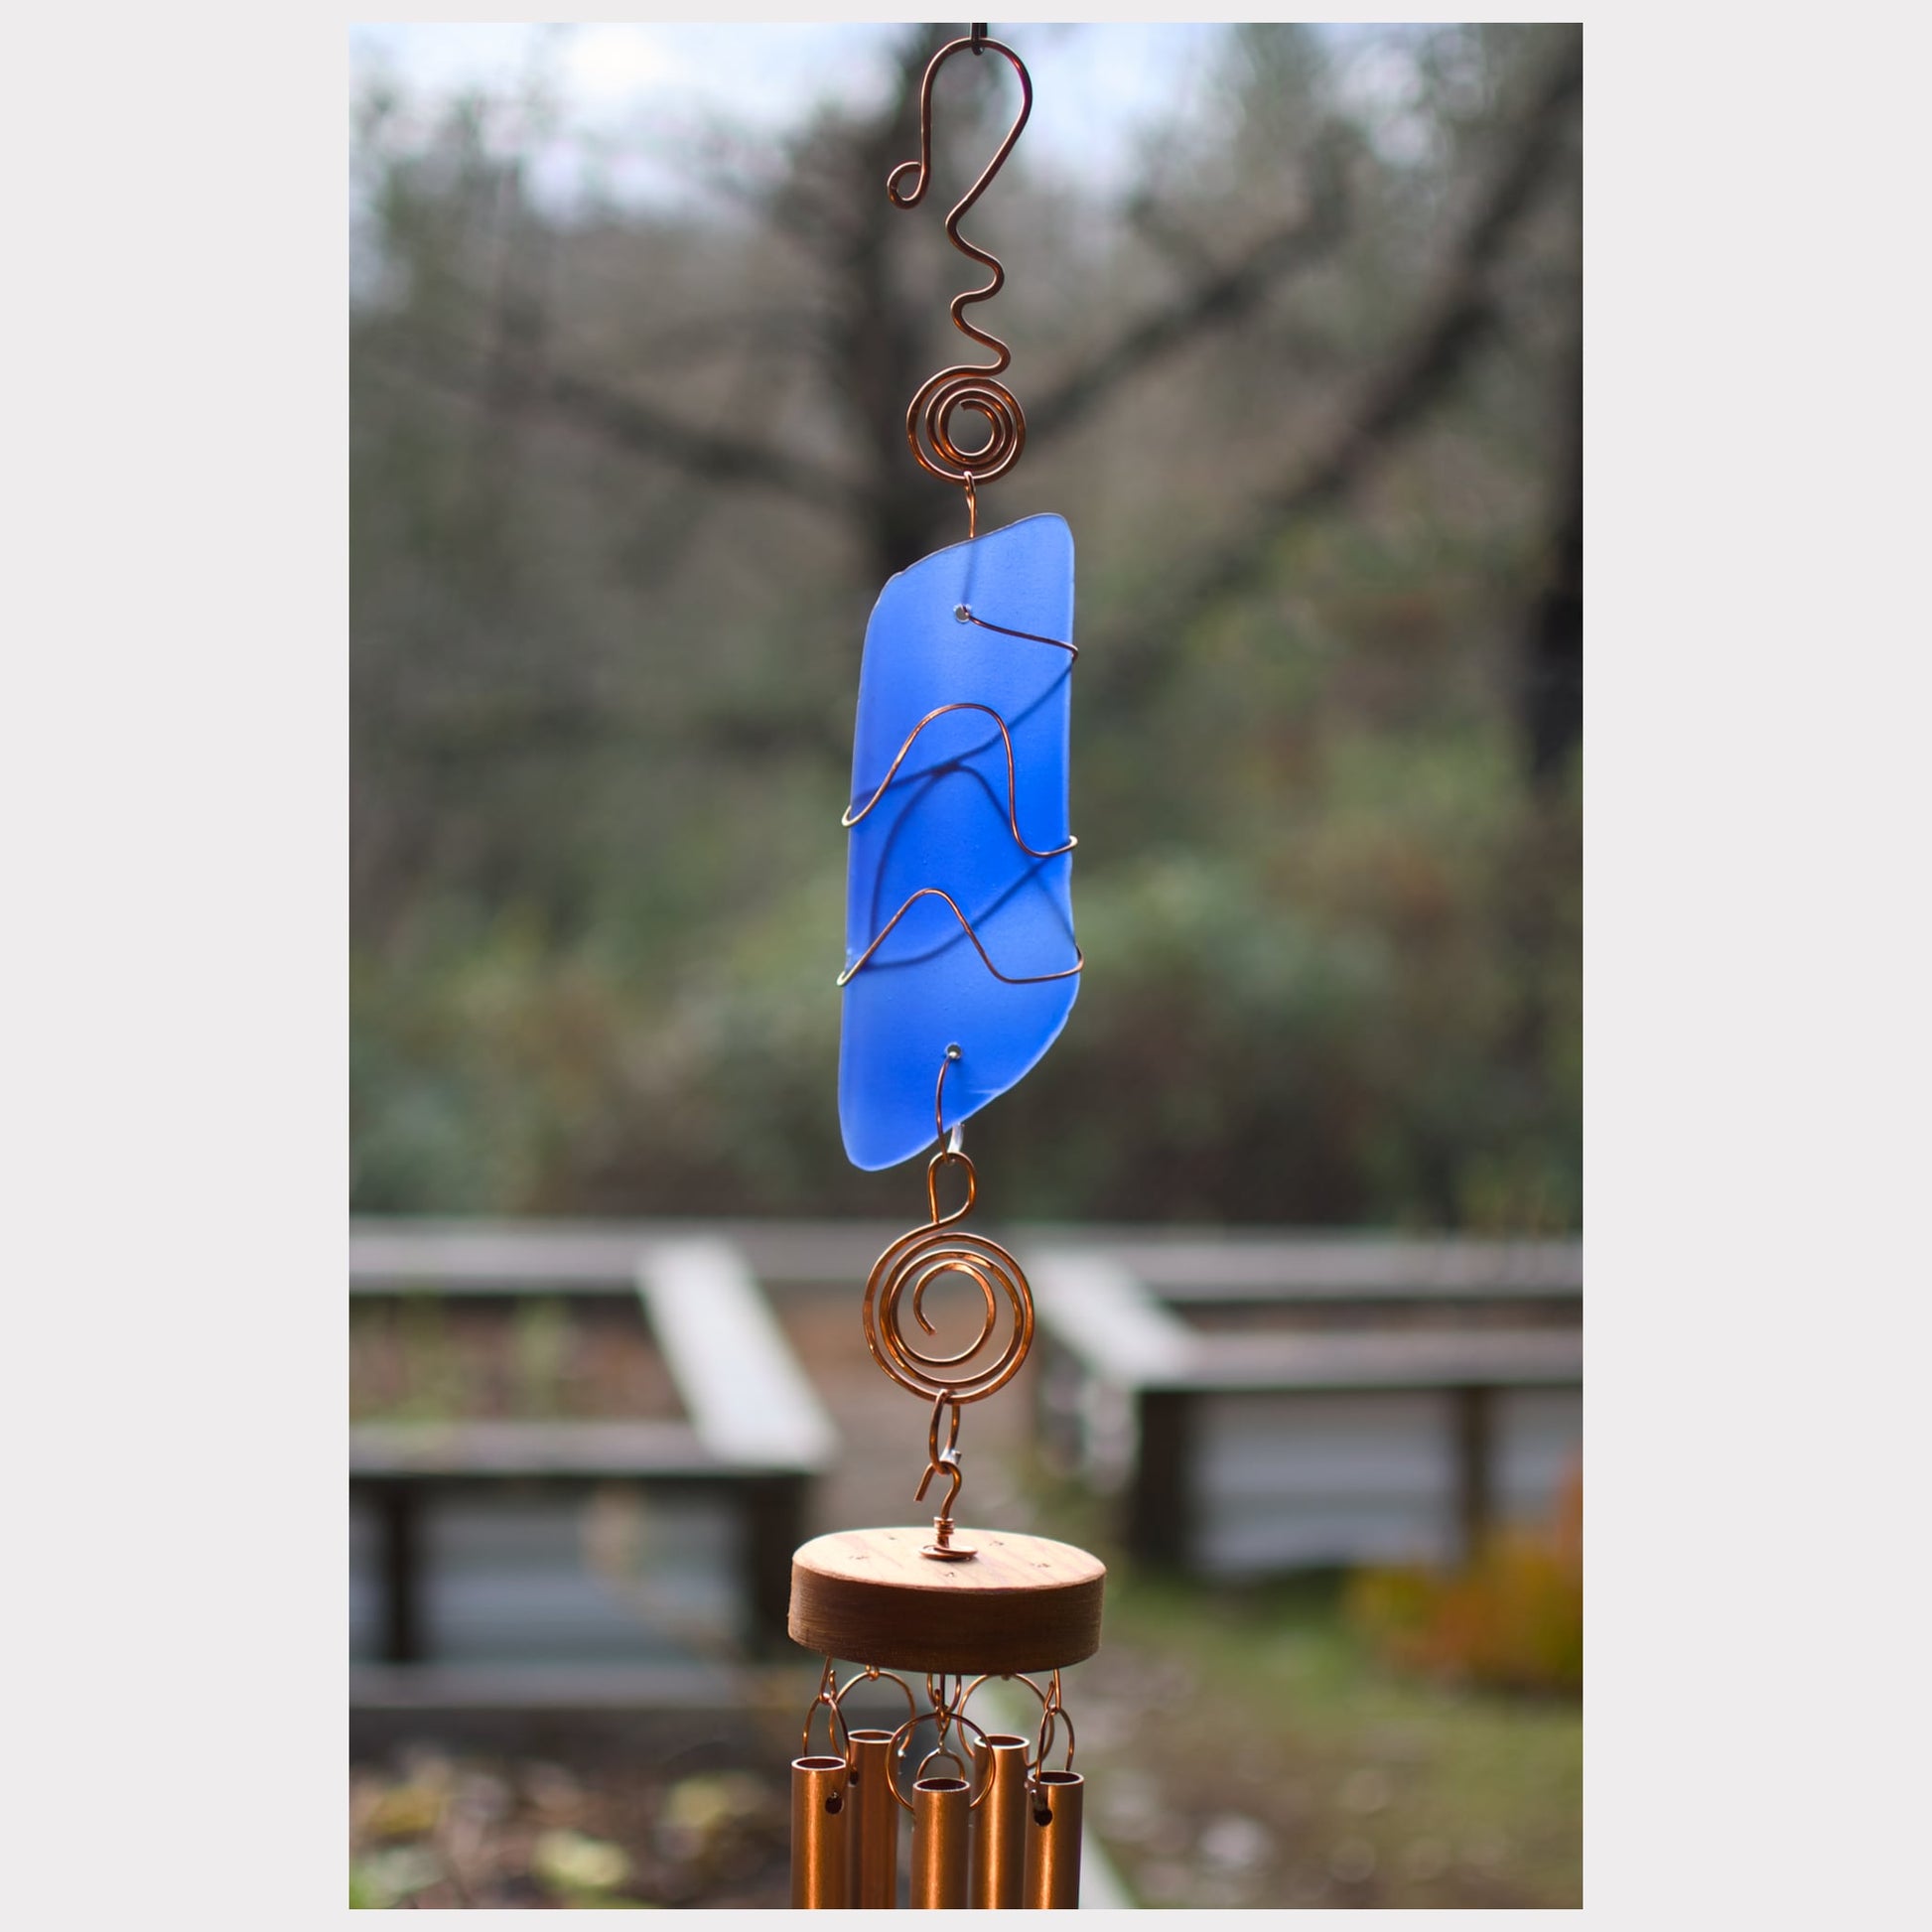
716, 455
866, 344
1389, 401
704, 337
643, 429
1221, 296
870, 347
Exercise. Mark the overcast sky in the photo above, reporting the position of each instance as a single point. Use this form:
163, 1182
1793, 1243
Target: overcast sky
625, 89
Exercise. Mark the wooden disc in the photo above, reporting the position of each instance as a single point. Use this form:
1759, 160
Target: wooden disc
1020, 1604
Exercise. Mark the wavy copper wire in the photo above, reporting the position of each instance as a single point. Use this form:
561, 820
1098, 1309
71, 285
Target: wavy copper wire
966, 386
852, 818
965, 616
966, 926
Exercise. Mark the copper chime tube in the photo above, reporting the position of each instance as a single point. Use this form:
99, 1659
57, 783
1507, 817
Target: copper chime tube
1053, 1841
872, 1828
941, 1827
999, 1820
820, 1879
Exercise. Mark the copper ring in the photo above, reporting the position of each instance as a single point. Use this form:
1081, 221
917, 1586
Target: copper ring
900, 1750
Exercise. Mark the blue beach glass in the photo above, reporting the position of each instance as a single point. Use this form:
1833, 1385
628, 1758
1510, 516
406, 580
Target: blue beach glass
944, 820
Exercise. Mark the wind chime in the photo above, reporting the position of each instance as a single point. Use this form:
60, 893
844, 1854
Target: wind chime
961, 970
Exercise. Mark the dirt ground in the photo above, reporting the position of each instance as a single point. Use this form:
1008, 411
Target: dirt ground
429, 1828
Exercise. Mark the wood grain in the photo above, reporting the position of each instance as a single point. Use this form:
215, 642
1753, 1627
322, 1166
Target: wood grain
1022, 1604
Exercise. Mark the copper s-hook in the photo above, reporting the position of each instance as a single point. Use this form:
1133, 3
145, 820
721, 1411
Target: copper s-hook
944, 1461
966, 386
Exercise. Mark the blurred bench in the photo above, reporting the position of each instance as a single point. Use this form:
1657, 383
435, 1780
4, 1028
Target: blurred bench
1261, 1401
754, 1433
1335, 1401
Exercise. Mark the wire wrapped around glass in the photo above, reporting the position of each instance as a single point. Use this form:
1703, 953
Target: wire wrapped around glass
961, 969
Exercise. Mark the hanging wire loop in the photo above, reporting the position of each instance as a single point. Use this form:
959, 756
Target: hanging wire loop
827, 1698
954, 1145
967, 386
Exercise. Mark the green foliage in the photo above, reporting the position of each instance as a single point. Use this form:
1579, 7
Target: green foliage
602, 708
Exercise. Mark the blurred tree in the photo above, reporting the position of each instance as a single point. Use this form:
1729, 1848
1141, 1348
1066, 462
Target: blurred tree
625, 485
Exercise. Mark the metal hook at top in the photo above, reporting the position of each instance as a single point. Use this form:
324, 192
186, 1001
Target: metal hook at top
977, 43
965, 386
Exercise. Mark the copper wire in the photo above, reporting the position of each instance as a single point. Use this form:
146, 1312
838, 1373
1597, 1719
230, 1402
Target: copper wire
942, 1718
852, 818
966, 926
1052, 1714
948, 1060
944, 1461
870, 1674
913, 1262
966, 614
828, 1695
968, 387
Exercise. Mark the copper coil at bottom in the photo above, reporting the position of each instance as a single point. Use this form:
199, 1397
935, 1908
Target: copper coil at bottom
916, 1262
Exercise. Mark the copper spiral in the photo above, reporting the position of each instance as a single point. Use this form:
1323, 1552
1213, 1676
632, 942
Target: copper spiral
928, 418
929, 425
913, 1263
